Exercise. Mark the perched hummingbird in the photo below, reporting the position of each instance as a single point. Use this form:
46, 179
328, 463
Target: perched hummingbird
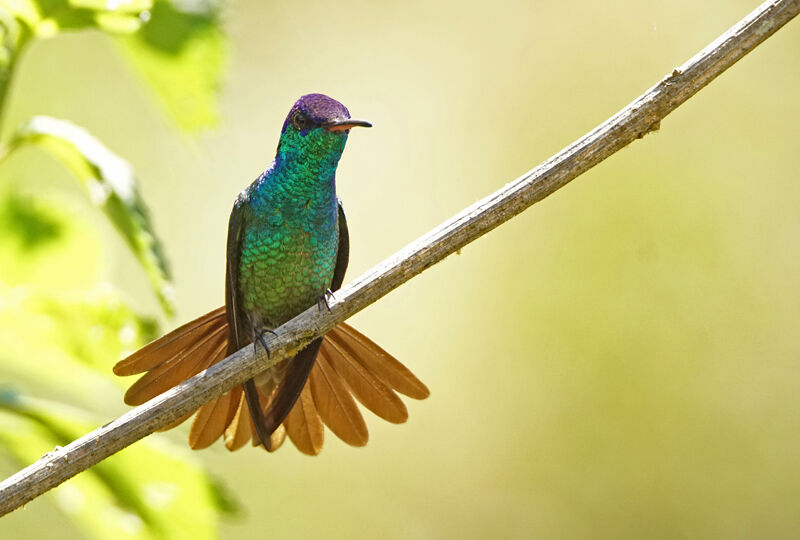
288, 248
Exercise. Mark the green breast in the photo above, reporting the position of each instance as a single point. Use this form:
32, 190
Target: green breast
288, 250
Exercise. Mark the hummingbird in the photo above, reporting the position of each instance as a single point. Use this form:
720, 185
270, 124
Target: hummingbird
288, 248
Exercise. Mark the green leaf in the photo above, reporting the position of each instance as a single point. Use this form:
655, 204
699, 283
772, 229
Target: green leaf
26, 12
63, 344
112, 186
13, 34
45, 245
150, 490
10, 30
45, 18
181, 52
118, 6
178, 46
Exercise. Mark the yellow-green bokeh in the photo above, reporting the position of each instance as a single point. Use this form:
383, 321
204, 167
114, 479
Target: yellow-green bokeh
622, 360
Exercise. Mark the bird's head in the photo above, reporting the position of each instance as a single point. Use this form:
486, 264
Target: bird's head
316, 127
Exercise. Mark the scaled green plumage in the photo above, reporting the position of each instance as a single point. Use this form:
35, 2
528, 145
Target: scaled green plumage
290, 228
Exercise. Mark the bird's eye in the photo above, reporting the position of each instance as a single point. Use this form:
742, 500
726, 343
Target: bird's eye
300, 121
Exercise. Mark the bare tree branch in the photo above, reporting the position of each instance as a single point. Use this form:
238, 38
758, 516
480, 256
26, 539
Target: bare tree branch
633, 122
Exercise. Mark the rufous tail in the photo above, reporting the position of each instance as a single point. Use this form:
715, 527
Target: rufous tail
349, 365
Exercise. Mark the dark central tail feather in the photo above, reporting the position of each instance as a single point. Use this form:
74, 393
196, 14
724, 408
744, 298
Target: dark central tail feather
286, 394
257, 414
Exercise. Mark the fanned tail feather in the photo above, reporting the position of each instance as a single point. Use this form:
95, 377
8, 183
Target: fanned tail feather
166, 347
304, 425
199, 355
335, 405
213, 417
382, 364
349, 365
374, 394
239, 430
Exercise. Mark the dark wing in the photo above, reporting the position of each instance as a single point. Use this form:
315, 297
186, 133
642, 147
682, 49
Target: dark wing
343, 252
300, 366
232, 309
236, 316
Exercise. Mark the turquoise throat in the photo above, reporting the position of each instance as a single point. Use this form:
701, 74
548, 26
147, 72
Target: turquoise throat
290, 228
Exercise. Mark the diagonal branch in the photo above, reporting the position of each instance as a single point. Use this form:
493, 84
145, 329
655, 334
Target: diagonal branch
633, 122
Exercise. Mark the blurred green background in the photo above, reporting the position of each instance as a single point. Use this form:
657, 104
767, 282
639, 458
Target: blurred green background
622, 360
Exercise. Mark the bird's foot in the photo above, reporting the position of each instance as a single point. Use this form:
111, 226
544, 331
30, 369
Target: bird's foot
258, 337
323, 300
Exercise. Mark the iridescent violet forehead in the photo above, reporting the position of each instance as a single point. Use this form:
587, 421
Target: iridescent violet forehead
319, 108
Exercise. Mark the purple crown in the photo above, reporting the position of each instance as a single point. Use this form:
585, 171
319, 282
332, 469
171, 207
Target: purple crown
319, 108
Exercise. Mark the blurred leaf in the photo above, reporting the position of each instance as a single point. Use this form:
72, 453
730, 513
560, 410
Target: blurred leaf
177, 45
10, 34
112, 186
119, 6
27, 222
63, 344
45, 18
180, 52
97, 327
45, 246
24, 11
149, 490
